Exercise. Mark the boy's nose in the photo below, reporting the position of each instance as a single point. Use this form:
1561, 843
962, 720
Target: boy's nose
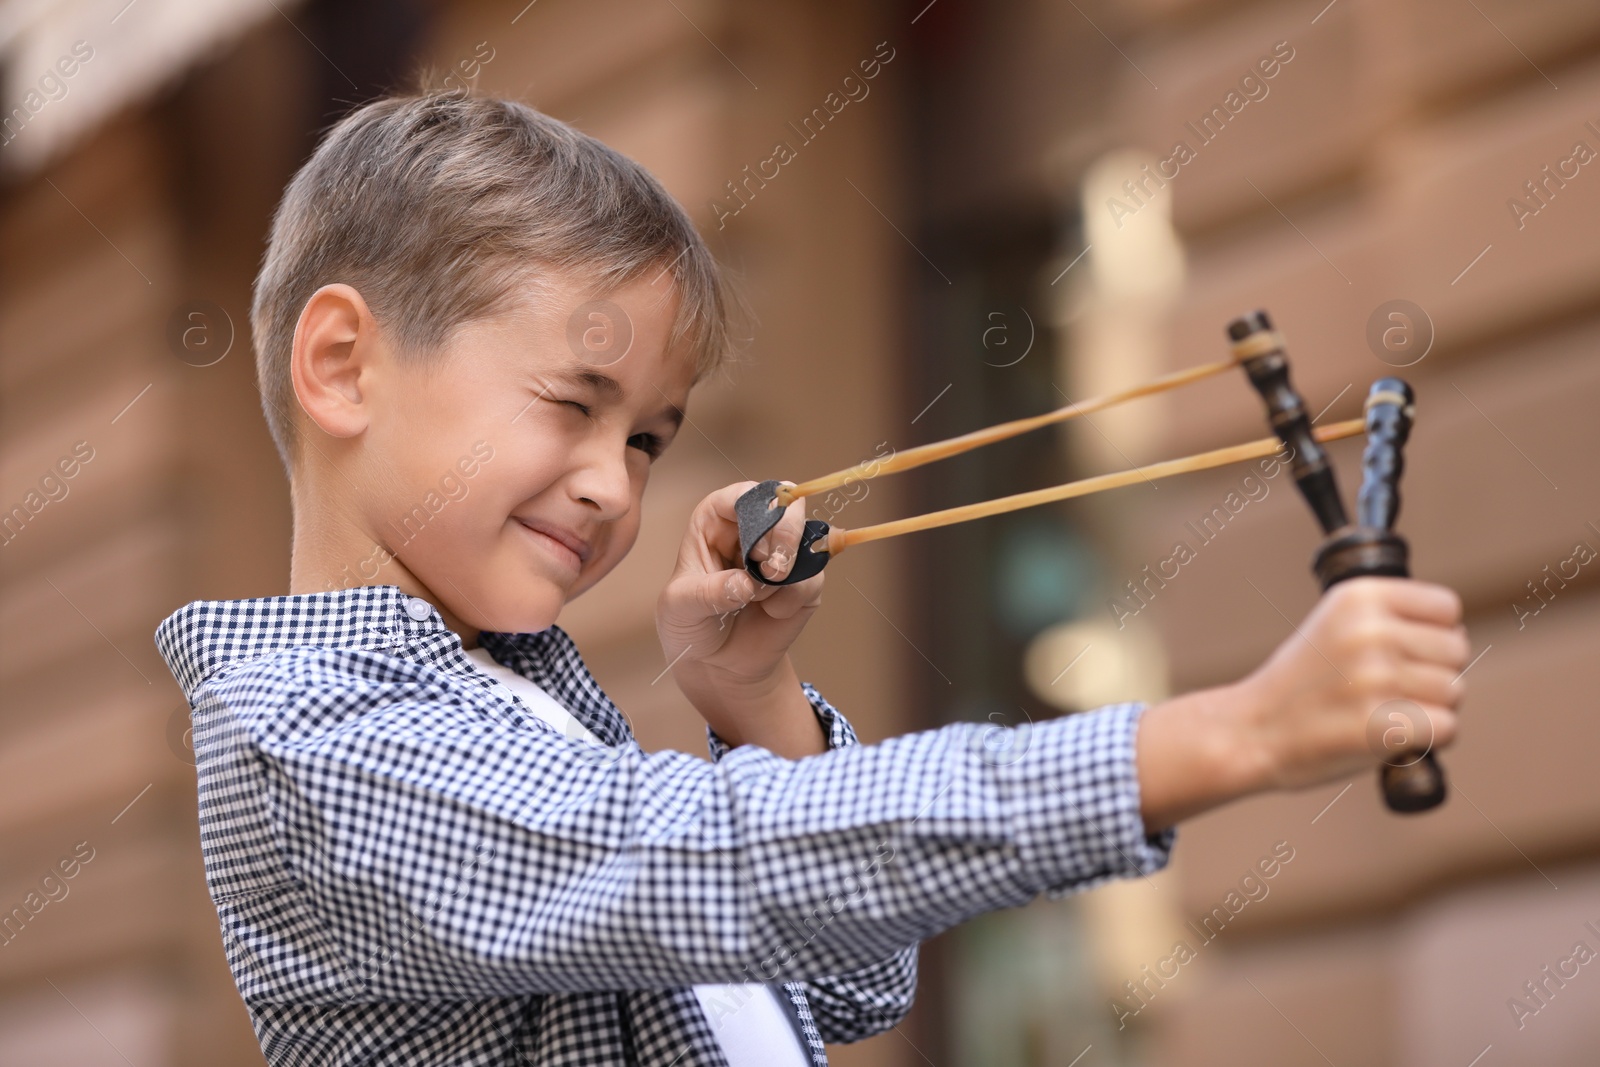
602, 480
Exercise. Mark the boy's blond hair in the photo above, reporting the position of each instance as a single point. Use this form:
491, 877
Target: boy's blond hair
440, 206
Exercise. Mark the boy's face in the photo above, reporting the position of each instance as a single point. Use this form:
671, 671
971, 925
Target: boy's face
509, 471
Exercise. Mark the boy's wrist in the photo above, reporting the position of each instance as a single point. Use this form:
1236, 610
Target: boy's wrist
1256, 761
771, 711
1199, 751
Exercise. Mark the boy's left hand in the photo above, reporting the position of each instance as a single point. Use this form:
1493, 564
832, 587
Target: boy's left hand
726, 636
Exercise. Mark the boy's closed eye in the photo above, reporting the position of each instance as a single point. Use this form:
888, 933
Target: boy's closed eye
650, 444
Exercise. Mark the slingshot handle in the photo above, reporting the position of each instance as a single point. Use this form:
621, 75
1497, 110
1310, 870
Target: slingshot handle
1411, 782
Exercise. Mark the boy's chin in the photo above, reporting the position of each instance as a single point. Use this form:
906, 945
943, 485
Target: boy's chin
537, 608
525, 606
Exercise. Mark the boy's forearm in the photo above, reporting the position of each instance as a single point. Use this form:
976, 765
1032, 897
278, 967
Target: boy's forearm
772, 712
1195, 752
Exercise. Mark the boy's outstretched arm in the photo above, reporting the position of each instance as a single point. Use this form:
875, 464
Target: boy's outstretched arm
379, 832
1302, 718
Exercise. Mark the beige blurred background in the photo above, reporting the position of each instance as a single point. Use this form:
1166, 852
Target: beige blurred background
970, 235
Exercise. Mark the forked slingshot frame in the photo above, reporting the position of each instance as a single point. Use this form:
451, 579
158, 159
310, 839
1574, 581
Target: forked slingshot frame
1410, 782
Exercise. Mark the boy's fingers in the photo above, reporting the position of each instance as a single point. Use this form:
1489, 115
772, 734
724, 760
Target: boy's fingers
788, 601
720, 520
1444, 647
775, 550
1419, 601
1442, 725
1431, 685
1420, 728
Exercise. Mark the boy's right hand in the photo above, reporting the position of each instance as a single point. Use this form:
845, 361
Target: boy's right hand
726, 637
1377, 661
1377, 657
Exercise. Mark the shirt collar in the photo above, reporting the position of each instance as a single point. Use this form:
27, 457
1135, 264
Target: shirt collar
204, 636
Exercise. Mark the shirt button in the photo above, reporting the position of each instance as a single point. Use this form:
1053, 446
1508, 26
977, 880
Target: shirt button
418, 608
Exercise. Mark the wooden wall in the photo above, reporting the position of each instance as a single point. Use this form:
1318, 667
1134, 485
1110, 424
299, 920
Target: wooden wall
1379, 167
183, 498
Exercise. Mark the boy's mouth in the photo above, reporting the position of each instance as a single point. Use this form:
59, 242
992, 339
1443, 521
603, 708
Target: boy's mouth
560, 540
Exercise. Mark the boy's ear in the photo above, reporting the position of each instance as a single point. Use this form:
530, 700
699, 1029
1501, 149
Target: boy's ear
335, 343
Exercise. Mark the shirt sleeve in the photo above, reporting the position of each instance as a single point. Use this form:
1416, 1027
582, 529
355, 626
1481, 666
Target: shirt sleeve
871, 999
433, 848
835, 727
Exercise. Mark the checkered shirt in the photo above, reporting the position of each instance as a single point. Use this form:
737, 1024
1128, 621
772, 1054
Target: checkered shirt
409, 867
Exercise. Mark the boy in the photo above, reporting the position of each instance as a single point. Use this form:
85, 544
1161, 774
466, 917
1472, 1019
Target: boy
430, 836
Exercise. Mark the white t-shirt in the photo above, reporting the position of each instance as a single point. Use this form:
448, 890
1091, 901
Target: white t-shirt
749, 1023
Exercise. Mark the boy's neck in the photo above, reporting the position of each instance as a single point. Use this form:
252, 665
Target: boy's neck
330, 553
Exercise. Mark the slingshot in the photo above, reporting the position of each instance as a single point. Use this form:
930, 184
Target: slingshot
1410, 781
760, 508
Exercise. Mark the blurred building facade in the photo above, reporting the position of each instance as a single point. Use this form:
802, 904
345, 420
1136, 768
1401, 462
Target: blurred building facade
946, 244
1401, 185
130, 241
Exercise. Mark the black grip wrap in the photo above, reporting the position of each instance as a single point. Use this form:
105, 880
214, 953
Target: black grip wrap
756, 516
1390, 407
